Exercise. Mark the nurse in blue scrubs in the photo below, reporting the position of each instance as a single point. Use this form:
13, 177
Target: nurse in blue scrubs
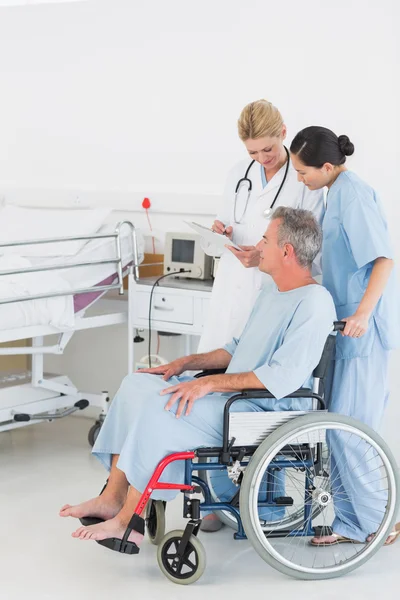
357, 269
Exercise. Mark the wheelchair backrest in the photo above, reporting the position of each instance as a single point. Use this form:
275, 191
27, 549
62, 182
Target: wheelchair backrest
321, 369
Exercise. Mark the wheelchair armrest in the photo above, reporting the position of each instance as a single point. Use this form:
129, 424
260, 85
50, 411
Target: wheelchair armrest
255, 394
208, 372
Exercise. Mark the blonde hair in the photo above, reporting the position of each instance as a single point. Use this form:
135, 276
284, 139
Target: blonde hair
259, 119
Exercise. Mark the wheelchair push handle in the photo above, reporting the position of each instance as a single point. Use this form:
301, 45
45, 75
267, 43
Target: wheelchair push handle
339, 325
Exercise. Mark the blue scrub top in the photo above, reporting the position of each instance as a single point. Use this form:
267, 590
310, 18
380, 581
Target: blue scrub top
355, 234
264, 181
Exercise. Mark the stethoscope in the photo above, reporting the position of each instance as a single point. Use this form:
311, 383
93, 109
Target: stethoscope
267, 212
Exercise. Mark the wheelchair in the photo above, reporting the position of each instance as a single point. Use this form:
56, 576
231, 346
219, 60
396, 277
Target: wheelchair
287, 486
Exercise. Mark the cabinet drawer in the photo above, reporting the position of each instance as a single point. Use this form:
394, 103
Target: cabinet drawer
165, 307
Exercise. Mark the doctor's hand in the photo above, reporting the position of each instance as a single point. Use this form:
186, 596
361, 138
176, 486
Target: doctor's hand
176, 367
356, 325
186, 394
219, 227
249, 256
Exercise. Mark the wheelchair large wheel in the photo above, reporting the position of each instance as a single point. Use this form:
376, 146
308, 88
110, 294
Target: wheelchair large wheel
155, 521
363, 489
222, 490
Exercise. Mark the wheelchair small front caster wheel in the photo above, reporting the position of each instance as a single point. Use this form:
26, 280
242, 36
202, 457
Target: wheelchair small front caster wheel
186, 569
93, 433
155, 521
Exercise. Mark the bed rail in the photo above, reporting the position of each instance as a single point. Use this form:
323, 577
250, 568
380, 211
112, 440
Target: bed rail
45, 268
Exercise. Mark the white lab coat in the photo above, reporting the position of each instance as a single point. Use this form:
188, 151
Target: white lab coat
235, 287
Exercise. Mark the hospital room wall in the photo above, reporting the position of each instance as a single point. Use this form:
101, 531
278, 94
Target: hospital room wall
107, 102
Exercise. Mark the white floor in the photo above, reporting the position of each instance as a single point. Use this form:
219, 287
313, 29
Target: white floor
45, 466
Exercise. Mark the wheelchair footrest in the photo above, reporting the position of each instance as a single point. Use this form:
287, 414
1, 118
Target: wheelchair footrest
119, 546
111, 543
87, 521
322, 530
284, 501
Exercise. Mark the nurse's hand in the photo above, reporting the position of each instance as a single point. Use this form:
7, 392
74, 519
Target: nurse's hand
219, 227
249, 256
356, 325
186, 394
176, 367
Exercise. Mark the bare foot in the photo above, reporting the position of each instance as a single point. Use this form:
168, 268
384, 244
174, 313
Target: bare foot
392, 537
103, 507
114, 528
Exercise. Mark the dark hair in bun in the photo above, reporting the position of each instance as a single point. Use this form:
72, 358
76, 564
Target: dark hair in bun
345, 145
316, 146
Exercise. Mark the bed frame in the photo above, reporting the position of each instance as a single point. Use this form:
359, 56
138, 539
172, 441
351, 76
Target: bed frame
32, 397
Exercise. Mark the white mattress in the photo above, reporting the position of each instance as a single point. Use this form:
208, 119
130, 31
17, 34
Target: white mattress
59, 312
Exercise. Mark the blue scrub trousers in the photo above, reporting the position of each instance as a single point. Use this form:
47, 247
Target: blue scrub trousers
358, 389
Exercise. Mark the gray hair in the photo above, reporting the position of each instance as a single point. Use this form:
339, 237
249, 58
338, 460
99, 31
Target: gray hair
299, 228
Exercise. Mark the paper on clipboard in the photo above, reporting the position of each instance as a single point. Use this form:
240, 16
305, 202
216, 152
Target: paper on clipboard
211, 236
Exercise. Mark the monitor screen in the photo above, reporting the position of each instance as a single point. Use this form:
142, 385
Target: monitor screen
183, 251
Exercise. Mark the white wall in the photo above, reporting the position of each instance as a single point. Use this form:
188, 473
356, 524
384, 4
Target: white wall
110, 101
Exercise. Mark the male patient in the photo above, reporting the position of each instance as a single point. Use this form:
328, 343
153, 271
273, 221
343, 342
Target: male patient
156, 412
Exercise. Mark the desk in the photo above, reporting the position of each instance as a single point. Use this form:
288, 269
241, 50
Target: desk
178, 306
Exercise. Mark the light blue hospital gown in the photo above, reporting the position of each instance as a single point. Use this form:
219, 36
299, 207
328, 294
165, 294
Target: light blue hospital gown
282, 343
354, 235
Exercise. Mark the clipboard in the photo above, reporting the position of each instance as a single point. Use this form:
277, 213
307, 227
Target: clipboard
212, 237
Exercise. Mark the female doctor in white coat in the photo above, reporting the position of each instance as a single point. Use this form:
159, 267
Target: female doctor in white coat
254, 189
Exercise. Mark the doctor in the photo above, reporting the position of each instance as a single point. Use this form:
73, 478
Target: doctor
357, 269
255, 187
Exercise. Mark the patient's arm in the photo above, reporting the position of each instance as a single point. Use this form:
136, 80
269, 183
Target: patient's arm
235, 382
186, 393
217, 359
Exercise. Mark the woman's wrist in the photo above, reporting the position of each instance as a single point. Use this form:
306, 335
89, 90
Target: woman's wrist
363, 313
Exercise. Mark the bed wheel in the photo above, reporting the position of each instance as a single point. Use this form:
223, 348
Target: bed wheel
93, 433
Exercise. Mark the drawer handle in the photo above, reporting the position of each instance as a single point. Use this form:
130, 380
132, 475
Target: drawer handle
163, 308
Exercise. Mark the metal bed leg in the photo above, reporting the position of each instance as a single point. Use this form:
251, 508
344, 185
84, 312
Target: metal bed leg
131, 356
37, 362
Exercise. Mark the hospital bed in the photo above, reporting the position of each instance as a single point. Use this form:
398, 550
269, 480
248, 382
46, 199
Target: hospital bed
50, 293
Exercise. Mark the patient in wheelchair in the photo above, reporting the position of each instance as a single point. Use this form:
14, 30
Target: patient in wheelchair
158, 411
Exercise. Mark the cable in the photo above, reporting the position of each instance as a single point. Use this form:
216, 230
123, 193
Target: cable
151, 299
151, 229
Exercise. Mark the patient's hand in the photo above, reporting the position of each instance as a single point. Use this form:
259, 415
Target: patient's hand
249, 256
186, 393
176, 367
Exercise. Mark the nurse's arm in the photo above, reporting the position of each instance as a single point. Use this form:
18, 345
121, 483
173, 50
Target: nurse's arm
357, 324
